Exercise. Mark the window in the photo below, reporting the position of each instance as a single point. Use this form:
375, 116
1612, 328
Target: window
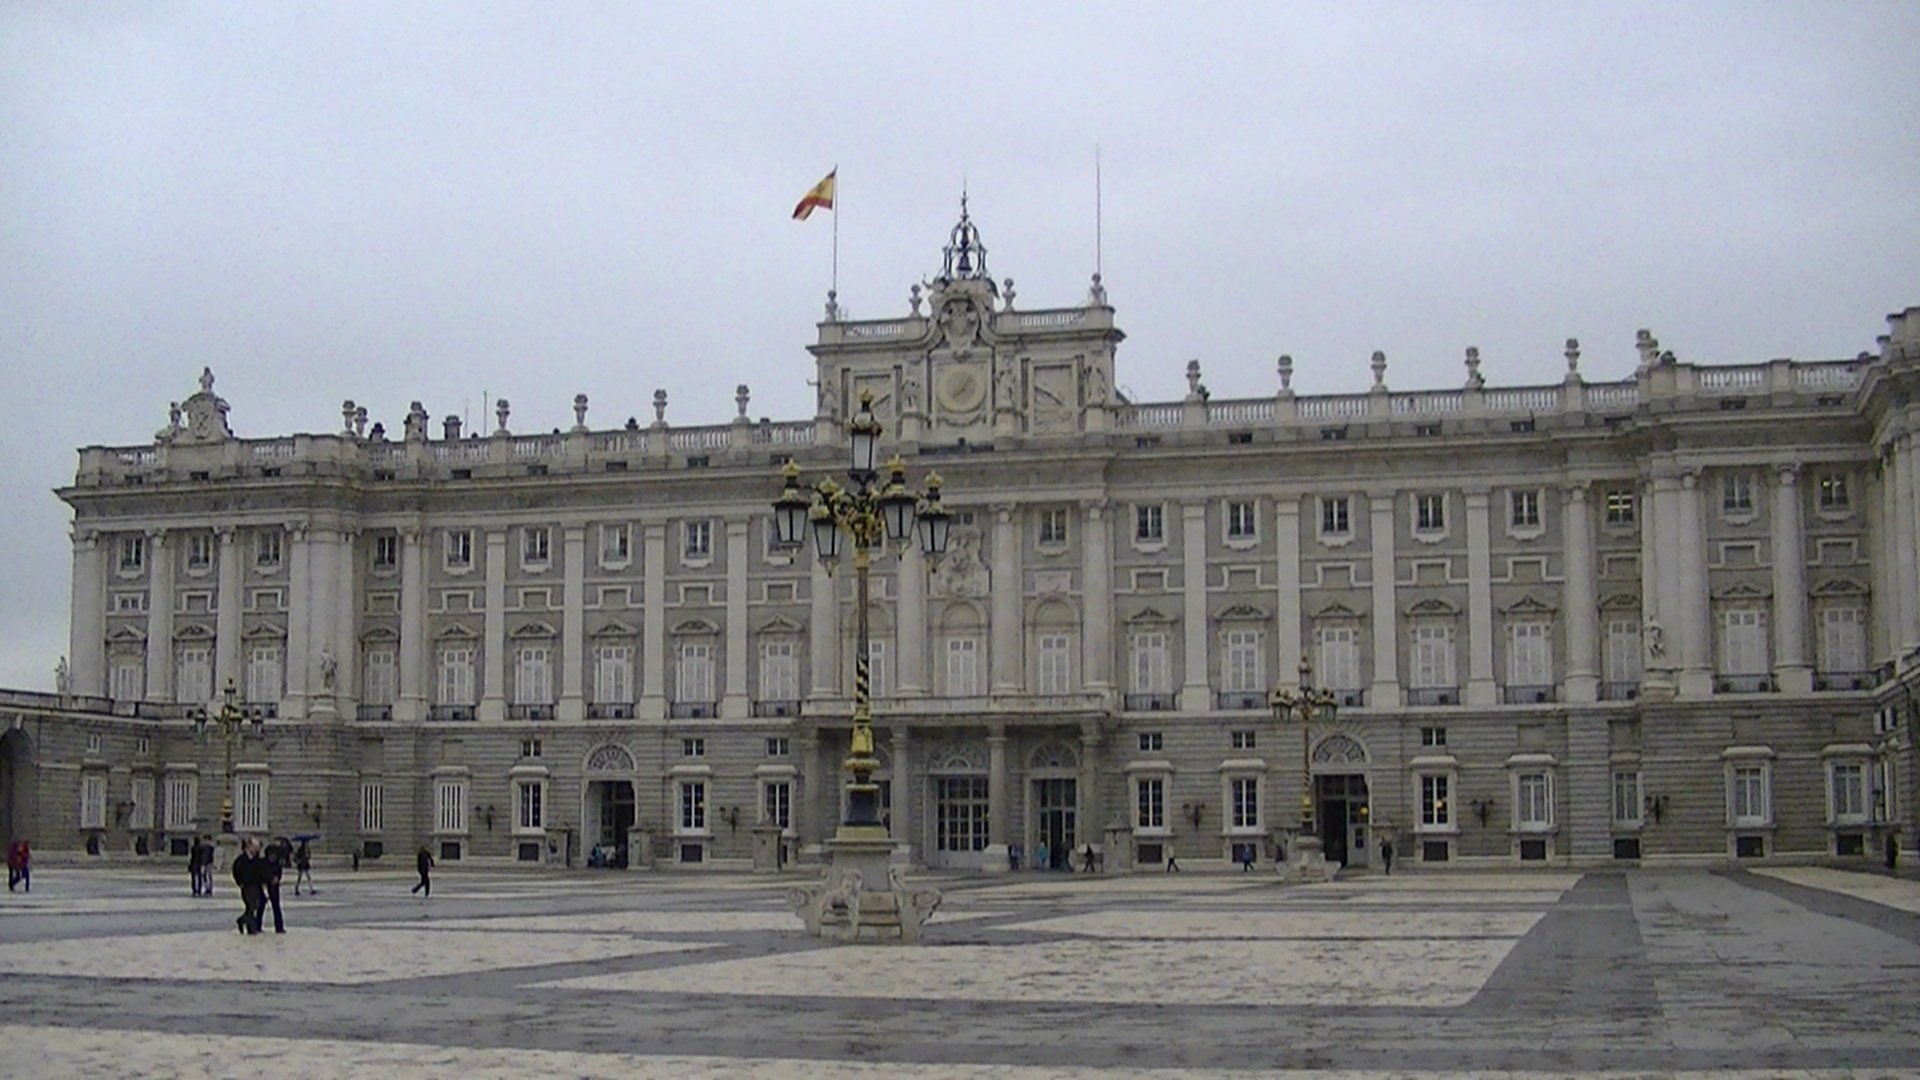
693, 747
1337, 659
1150, 741
693, 806
777, 746
183, 794
193, 674
1736, 494
458, 552
456, 675
1530, 654
1241, 524
1432, 656
1150, 803
1619, 507
613, 674
1523, 509
531, 794
266, 549
379, 676
615, 545
1152, 673
373, 812
93, 801
386, 551
199, 551
1429, 513
779, 674
1336, 516
960, 813
693, 673
450, 806
1433, 736
536, 545
1533, 800
1848, 789
250, 803
533, 675
1244, 664
1053, 527
1149, 524
133, 554
697, 540
143, 746
1056, 664
1626, 798
1245, 794
140, 793
776, 803
1623, 651
963, 667
1435, 811
531, 748
1843, 639
1751, 805
94, 742
879, 672
1241, 740
263, 674
1834, 496
1744, 642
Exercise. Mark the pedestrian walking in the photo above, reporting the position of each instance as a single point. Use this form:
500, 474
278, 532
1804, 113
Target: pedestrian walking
423, 862
19, 865
1246, 858
1087, 864
250, 874
1040, 857
278, 856
1386, 856
303, 867
193, 866
204, 845
1173, 863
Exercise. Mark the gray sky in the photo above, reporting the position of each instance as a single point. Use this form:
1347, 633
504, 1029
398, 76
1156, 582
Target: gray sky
387, 202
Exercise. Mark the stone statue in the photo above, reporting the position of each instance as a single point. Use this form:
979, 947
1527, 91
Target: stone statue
329, 670
1096, 386
960, 325
909, 393
1656, 642
962, 573
1006, 392
62, 680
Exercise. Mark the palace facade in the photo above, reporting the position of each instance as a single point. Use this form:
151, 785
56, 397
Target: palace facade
1667, 616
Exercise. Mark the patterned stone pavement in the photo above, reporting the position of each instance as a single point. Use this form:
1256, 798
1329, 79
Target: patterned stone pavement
1788, 973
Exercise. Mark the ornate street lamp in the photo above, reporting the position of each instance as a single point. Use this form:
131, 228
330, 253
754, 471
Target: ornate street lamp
1307, 704
231, 719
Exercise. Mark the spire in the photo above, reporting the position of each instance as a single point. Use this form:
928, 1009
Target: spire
966, 256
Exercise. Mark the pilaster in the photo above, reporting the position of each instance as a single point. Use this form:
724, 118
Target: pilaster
1481, 688
573, 633
997, 795
901, 827
734, 702
1580, 601
160, 617
226, 645
346, 624
1286, 544
1385, 691
1790, 667
299, 626
911, 633
823, 634
1096, 596
87, 638
493, 694
653, 631
1696, 648
412, 704
1907, 455
1007, 637
1196, 694
323, 596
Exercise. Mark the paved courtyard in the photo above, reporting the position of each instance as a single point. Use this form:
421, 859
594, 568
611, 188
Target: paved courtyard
1782, 972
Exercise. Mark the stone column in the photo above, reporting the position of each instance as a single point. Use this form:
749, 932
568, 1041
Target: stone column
87, 630
573, 625
1790, 667
226, 632
1581, 603
1196, 692
346, 625
811, 781
1287, 624
1659, 605
735, 704
414, 654
160, 618
299, 625
653, 630
902, 831
1385, 692
997, 794
1906, 533
1481, 688
1884, 646
823, 634
1093, 817
493, 693
911, 636
1696, 647
323, 599
1008, 639
1096, 597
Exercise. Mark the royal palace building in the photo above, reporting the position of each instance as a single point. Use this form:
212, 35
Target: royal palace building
1668, 616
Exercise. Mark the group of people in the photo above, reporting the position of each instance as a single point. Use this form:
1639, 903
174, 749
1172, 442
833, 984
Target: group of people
19, 865
258, 870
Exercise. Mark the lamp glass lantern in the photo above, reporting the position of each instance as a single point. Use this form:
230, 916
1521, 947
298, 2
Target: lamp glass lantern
790, 509
826, 532
936, 523
897, 503
863, 439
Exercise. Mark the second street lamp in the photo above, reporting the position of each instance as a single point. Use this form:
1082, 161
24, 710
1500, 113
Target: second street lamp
1307, 704
231, 719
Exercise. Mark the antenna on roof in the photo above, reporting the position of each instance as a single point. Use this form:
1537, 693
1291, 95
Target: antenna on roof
1097, 238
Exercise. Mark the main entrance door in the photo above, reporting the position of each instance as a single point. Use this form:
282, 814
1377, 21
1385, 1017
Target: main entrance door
614, 800
1055, 800
1340, 806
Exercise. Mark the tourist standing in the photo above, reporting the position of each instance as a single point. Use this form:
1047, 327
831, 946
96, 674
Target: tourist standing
250, 874
19, 865
277, 858
303, 867
423, 862
204, 845
1040, 857
1386, 856
193, 866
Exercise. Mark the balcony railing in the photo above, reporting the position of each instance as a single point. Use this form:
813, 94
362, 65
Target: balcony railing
1147, 702
449, 712
610, 710
691, 710
1620, 691
1527, 695
776, 707
1846, 680
1744, 684
373, 712
1240, 699
1433, 695
530, 712
261, 710
1351, 699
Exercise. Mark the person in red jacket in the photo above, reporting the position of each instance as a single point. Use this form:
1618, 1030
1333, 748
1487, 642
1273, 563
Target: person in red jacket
19, 865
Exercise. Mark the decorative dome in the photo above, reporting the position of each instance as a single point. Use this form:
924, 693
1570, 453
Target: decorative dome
966, 256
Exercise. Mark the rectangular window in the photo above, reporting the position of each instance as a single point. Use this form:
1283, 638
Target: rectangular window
1530, 654
1053, 527
1626, 797
1524, 509
1149, 741
693, 747
1152, 672
1433, 736
1619, 504
183, 797
250, 803
1435, 811
133, 553
960, 813
693, 672
533, 675
1245, 792
199, 551
1241, 740
386, 551
777, 746
1749, 795
263, 674
130, 680
615, 545
1337, 656
1849, 786
532, 794
536, 545
1736, 493
613, 674
531, 748
779, 673
1744, 642
1432, 657
963, 667
193, 674
693, 806
1056, 664
1150, 803
1242, 666
1336, 518
456, 675
1834, 496
1149, 524
380, 676
1241, 524
93, 801
266, 549
1429, 513
450, 806
879, 670
140, 793
1843, 639
373, 812
776, 803
458, 552
697, 540
1533, 800
1623, 651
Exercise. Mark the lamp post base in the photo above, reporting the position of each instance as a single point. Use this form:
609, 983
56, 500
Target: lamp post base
863, 899
1309, 864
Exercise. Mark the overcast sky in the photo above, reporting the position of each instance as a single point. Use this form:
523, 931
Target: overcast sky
389, 202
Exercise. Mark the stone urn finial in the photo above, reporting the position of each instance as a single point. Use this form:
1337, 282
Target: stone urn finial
346, 416
359, 421
1379, 370
1193, 378
660, 406
501, 410
1474, 378
913, 300
1006, 295
1286, 373
579, 412
1573, 356
740, 398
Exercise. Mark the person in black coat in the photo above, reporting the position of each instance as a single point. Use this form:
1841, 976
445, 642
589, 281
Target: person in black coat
250, 873
423, 862
279, 856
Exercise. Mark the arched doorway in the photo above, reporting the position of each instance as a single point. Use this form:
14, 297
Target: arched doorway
1053, 771
608, 807
16, 786
1341, 802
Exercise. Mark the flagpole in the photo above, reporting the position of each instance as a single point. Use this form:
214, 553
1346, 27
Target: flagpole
836, 230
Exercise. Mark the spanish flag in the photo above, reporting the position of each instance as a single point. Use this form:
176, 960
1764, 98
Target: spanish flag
821, 196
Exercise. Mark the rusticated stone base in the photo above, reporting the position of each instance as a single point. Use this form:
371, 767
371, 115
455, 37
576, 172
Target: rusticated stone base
863, 899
